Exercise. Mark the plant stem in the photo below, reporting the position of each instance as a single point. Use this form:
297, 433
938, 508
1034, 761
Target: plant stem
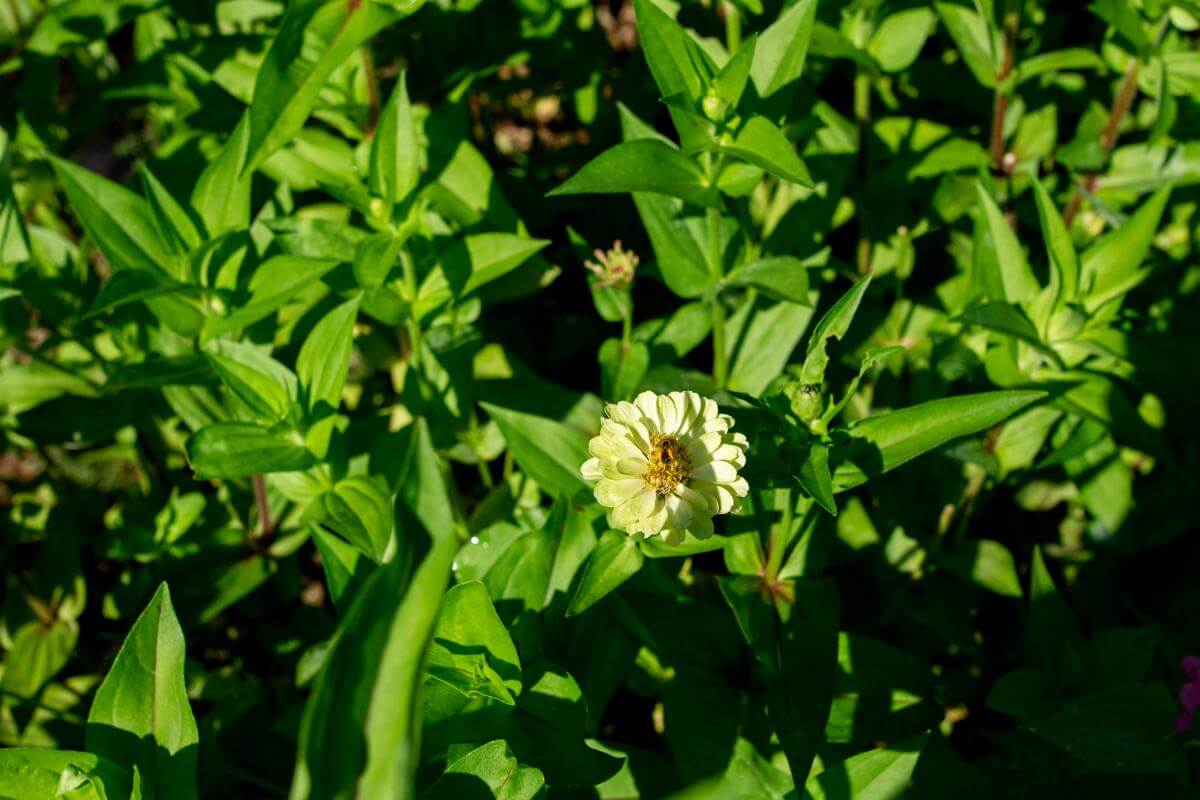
372, 90
733, 27
1012, 18
717, 311
862, 119
264, 510
1108, 139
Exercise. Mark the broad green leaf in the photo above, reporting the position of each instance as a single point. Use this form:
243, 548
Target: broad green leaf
679, 65
985, 562
14, 240
1053, 635
489, 772
119, 222
1118, 730
898, 39
881, 774
135, 286
815, 479
615, 560
677, 253
1123, 18
360, 732
141, 716
325, 357
782, 47
643, 165
37, 653
1115, 263
341, 561
221, 195
469, 264
1064, 263
473, 663
359, 508
28, 773
798, 651
780, 277
262, 383
763, 144
1000, 269
977, 40
833, 325
622, 368
396, 149
175, 227
313, 39
762, 347
1009, 320
881, 443
730, 82
242, 449
273, 285
548, 451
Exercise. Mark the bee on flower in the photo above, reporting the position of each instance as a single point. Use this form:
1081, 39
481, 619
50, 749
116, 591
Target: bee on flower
666, 465
614, 268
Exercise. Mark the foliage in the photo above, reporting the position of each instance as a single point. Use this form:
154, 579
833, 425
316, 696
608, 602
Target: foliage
308, 312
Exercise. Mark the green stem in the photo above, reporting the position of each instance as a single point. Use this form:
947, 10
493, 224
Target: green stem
717, 310
862, 118
780, 536
733, 28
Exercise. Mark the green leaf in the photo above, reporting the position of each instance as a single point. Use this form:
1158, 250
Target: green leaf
313, 39
325, 357
643, 165
897, 41
1114, 264
1123, 18
975, 37
782, 47
799, 653
175, 226
242, 449
28, 773
762, 347
615, 560
395, 163
730, 82
489, 772
779, 277
1009, 320
360, 732
881, 443
763, 144
262, 383
135, 286
472, 656
470, 263
37, 653
679, 65
359, 508
622, 368
140, 716
984, 562
273, 285
833, 325
1064, 263
342, 563
119, 222
14, 240
815, 479
221, 195
549, 452
1000, 269
1053, 635
881, 774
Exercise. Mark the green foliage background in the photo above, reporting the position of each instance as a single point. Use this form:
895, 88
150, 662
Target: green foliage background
300, 358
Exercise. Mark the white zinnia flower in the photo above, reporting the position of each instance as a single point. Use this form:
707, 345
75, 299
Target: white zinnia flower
666, 464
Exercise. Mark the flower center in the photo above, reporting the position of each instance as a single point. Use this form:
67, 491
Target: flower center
670, 464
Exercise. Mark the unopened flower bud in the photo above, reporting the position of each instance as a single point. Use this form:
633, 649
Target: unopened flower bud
806, 401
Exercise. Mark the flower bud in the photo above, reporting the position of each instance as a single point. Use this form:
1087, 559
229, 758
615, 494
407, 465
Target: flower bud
806, 401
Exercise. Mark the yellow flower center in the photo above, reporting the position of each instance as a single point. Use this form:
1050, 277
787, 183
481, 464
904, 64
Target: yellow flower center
670, 464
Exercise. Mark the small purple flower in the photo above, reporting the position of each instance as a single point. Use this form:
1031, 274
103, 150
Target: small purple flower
1189, 694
